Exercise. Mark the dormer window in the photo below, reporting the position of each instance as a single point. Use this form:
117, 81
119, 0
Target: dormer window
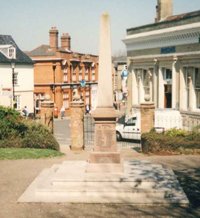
9, 51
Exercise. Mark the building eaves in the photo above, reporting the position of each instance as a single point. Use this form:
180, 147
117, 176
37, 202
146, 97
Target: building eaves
171, 21
120, 59
21, 57
183, 16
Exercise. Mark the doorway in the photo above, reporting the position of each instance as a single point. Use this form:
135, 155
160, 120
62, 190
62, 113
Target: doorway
168, 96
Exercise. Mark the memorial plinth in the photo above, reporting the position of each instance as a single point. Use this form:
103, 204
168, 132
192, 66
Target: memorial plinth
105, 147
141, 183
77, 142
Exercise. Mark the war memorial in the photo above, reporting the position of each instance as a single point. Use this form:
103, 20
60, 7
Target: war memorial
105, 177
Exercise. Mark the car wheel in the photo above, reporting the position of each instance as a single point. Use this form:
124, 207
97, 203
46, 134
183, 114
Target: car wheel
119, 137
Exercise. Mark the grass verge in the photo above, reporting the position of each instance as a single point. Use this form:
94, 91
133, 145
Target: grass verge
27, 153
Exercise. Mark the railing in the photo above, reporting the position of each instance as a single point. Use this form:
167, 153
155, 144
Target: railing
89, 136
88, 132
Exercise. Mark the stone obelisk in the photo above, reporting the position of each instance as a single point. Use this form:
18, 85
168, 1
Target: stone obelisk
105, 155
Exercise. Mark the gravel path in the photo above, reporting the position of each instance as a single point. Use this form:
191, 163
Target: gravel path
15, 176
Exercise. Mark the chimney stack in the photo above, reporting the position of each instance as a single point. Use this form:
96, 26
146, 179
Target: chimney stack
164, 9
53, 38
66, 41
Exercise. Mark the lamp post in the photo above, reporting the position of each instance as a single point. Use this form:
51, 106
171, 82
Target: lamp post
54, 80
13, 82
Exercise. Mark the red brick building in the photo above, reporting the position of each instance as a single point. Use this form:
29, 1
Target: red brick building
58, 70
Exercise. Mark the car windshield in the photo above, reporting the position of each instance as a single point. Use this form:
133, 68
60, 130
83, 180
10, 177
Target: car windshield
131, 121
121, 120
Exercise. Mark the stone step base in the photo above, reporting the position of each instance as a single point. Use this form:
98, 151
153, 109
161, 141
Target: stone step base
140, 183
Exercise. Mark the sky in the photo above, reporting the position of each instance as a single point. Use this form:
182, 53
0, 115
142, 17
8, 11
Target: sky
29, 21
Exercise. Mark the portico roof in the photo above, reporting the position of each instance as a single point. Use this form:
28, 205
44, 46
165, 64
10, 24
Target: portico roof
171, 21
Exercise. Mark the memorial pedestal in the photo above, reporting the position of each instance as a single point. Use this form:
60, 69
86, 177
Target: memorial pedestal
105, 155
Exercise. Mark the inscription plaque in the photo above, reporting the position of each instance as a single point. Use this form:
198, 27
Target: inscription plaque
104, 135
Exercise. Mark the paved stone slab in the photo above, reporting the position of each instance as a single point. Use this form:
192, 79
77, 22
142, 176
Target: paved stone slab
140, 183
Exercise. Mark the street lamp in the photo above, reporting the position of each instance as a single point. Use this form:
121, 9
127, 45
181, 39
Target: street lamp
13, 82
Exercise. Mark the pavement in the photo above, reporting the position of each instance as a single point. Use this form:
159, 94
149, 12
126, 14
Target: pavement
17, 175
62, 133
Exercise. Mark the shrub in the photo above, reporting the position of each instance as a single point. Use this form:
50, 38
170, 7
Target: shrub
173, 141
176, 132
196, 129
6, 111
11, 142
11, 123
38, 136
15, 131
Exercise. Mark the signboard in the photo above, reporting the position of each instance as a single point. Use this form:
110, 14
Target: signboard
83, 83
6, 92
167, 50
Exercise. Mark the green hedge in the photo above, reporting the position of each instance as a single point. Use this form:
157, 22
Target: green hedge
38, 136
15, 131
172, 141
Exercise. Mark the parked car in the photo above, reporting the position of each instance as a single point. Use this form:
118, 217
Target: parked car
128, 129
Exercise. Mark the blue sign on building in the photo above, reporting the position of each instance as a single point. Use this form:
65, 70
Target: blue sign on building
167, 50
83, 83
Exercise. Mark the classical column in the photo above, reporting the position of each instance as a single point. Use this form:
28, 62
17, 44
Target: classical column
178, 86
105, 156
183, 91
140, 89
174, 85
131, 85
134, 90
155, 83
141, 86
150, 75
160, 88
192, 96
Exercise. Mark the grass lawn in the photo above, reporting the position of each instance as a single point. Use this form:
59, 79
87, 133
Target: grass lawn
27, 153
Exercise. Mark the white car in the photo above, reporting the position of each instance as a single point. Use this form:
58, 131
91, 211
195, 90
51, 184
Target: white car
129, 129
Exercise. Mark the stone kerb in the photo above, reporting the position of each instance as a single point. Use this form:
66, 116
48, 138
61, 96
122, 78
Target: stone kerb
147, 116
77, 113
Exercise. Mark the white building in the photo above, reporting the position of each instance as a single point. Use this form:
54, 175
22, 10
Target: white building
164, 63
16, 76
